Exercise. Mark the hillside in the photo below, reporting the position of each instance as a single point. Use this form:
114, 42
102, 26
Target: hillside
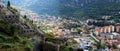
93, 9
10, 40
72, 8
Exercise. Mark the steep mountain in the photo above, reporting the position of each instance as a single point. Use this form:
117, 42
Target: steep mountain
39, 6
89, 8
73, 8
46, 7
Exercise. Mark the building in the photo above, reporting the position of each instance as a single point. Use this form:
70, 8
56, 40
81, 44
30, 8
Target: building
118, 29
105, 29
106, 17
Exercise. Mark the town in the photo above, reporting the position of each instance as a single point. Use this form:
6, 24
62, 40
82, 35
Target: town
55, 33
92, 33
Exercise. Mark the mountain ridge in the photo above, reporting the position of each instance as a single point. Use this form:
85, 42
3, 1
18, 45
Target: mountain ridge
77, 8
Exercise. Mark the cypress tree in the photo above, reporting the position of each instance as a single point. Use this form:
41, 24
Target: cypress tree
8, 4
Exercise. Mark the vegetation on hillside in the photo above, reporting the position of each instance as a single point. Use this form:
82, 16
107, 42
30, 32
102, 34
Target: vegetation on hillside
11, 40
94, 10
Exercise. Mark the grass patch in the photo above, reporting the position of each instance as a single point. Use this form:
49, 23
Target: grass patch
3, 12
13, 10
14, 43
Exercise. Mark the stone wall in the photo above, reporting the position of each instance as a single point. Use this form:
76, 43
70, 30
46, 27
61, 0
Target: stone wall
10, 18
47, 46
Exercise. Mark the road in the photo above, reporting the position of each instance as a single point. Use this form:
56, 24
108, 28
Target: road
91, 34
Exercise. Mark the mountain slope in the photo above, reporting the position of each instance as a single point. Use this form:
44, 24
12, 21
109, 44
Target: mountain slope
91, 8
73, 8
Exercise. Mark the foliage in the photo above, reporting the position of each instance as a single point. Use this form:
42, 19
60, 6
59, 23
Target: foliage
64, 48
3, 12
99, 45
70, 42
25, 17
10, 40
8, 4
102, 23
98, 9
5, 28
50, 40
14, 42
68, 25
79, 30
80, 50
13, 10
93, 10
50, 34
114, 46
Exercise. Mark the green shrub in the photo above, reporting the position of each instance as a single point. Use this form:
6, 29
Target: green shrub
6, 46
3, 12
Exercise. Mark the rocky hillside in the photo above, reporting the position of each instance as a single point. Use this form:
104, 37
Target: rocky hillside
10, 39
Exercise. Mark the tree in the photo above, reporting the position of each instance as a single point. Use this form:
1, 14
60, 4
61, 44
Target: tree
50, 34
114, 46
64, 48
8, 4
25, 17
80, 49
